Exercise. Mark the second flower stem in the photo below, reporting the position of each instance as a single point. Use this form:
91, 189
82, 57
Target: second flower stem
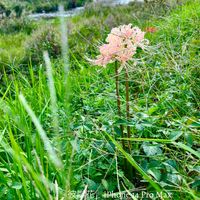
131, 171
128, 108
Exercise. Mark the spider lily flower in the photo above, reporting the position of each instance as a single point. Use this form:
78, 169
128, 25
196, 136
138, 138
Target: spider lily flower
121, 45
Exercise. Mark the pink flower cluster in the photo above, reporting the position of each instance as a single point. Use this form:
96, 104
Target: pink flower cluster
121, 45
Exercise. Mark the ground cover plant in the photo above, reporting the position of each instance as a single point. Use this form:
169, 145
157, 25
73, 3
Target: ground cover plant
60, 134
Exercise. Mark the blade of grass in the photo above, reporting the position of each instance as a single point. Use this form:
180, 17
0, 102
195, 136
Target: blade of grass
5, 93
51, 152
64, 43
147, 140
52, 90
187, 148
18, 154
19, 164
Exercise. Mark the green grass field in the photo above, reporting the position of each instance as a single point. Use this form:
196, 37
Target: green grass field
59, 132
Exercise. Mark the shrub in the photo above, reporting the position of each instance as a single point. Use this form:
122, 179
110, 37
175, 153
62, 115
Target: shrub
16, 25
12, 7
2, 8
18, 9
4, 11
46, 38
46, 7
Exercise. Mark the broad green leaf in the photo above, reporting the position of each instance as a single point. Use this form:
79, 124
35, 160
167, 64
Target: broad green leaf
91, 184
171, 165
152, 110
196, 184
105, 184
189, 139
175, 135
151, 150
155, 173
175, 179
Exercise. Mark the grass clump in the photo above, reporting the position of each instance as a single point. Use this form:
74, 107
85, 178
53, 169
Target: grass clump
15, 25
12, 52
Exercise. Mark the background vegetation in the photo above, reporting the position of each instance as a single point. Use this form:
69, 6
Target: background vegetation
164, 88
17, 8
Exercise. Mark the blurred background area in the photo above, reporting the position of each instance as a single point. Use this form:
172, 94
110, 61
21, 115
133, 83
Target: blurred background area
20, 7
28, 27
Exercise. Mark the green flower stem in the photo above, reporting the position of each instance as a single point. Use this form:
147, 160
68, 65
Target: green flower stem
131, 170
128, 108
119, 110
118, 99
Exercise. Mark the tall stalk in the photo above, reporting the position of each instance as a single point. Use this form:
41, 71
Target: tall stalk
128, 108
119, 108
131, 170
118, 100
